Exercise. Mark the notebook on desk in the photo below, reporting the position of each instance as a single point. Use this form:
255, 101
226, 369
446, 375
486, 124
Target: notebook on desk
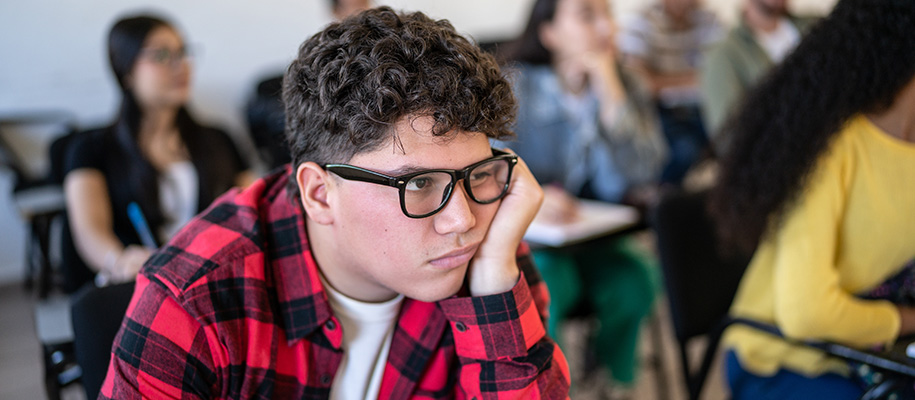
595, 219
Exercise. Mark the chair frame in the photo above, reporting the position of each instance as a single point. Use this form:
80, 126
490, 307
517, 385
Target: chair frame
40, 220
699, 278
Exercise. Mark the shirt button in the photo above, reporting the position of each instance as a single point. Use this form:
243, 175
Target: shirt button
331, 325
325, 379
460, 326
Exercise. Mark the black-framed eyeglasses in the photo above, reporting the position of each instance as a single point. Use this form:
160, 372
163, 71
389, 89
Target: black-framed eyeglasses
424, 193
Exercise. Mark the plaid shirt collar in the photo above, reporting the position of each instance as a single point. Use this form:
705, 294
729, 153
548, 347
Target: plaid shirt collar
301, 296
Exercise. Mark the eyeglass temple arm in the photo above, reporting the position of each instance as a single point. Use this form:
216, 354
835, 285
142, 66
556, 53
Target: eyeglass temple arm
358, 174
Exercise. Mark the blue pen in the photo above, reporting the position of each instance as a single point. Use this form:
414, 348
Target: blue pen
139, 223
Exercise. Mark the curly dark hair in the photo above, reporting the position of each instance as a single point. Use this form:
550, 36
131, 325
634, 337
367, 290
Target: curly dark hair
856, 60
354, 80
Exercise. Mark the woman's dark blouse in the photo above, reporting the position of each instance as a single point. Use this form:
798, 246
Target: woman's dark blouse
97, 149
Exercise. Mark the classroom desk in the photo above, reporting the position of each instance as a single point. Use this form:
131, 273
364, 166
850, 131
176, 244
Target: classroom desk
596, 221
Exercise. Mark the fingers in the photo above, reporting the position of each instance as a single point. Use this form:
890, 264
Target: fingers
520, 204
494, 268
129, 263
525, 188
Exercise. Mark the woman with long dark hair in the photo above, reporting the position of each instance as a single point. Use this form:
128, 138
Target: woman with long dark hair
821, 183
589, 132
154, 155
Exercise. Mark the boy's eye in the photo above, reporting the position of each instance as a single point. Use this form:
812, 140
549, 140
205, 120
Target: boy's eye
419, 183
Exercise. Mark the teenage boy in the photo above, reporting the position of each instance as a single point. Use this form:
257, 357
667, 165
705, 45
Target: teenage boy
385, 263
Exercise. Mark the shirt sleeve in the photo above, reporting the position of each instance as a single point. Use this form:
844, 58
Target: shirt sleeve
85, 151
635, 141
810, 302
721, 88
633, 37
502, 343
160, 352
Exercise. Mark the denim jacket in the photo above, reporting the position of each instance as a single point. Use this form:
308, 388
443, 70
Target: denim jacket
562, 140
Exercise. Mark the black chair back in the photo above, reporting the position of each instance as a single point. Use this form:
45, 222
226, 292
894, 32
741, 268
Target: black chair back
97, 314
266, 118
700, 278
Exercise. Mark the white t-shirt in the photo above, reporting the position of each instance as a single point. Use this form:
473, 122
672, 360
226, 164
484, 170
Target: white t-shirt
178, 191
367, 332
778, 43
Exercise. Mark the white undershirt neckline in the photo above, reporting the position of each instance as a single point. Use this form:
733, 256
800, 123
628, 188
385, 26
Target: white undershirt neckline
781, 41
368, 329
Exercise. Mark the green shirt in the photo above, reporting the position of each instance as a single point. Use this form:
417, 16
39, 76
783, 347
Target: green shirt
730, 68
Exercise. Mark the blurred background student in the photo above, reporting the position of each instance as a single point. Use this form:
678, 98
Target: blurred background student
344, 8
821, 175
664, 43
265, 113
764, 35
588, 132
154, 154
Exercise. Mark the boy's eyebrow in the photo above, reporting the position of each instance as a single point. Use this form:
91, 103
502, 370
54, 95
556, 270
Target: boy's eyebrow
410, 168
406, 169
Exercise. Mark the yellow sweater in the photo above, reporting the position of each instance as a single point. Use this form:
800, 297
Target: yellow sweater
852, 228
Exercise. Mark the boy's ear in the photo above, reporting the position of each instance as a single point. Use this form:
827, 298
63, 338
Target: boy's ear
313, 181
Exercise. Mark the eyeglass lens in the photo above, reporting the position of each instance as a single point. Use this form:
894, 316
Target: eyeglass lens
425, 193
166, 56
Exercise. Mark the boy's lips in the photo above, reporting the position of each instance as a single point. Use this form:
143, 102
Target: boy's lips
455, 258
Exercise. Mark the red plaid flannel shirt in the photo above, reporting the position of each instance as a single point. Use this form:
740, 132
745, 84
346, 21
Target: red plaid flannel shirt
233, 307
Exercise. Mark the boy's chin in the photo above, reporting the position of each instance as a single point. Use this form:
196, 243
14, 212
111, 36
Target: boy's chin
436, 295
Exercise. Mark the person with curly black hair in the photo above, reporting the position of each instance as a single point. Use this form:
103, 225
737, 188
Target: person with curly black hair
385, 261
821, 183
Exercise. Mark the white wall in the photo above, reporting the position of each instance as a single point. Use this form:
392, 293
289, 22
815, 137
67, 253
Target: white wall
52, 56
